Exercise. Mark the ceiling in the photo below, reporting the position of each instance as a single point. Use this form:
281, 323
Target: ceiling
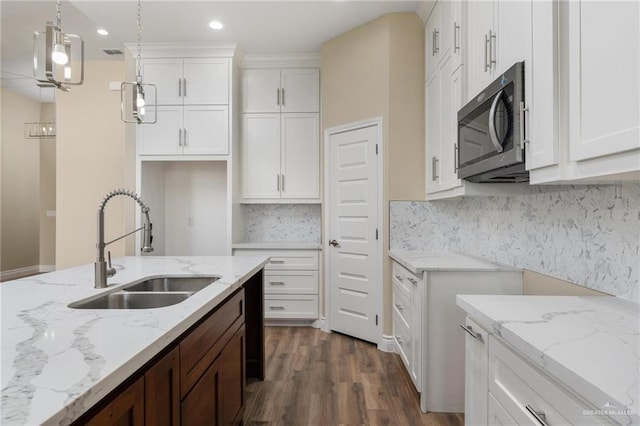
260, 27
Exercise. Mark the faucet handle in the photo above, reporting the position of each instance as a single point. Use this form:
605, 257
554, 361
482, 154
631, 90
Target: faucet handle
110, 270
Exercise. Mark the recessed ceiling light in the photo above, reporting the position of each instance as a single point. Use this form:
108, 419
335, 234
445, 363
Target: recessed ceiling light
216, 25
102, 32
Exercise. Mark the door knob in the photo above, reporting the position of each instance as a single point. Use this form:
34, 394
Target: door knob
334, 243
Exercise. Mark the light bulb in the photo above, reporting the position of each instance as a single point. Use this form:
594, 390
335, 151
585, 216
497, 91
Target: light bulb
59, 55
141, 112
140, 100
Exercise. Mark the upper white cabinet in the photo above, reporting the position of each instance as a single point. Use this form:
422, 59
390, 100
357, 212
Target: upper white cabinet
499, 35
193, 81
437, 37
192, 111
281, 157
281, 90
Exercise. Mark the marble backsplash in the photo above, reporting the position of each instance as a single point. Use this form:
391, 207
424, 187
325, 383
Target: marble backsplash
588, 235
282, 222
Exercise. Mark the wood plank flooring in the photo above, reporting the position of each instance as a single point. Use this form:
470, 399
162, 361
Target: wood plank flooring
317, 378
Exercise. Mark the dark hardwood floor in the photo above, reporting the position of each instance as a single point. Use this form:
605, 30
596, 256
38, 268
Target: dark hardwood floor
316, 378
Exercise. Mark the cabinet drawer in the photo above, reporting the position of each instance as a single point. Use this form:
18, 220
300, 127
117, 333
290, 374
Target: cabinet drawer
517, 384
400, 278
291, 282
402, 337
203, 345
291, 307
402, 306
291, 260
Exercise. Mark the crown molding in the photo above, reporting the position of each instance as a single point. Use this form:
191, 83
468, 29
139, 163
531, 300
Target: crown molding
184, 50
424, 9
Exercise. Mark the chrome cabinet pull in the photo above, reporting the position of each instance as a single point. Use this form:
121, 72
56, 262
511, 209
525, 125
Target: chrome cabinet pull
283, 102
455, 157
492, 37
276, 308
276, 262
282, 181
179, 87
276, 283
486, 44
493, 135
184, 84
412, 280
470, 331
433, 42
436, 42
523, 110
278, 96
278, 182
399, 278
434, 167
179, 137
456, 29
399, 307
184, 141
538, 415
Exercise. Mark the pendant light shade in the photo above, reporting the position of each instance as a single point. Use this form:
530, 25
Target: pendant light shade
137, 99
58, 58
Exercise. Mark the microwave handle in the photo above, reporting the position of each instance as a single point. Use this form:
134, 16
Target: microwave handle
492, 124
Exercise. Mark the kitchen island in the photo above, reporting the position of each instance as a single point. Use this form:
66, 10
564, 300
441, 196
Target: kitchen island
58, 362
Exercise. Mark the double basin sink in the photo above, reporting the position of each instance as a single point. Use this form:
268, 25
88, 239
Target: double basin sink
149, 293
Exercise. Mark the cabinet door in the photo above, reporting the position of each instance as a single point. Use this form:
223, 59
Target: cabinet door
603, 79
127, 409
166, 74
458, 30
513, 35
206, 130
206, 81
300, 90
165, 137
498, 416
451, 103
200, 406
476, 374
261, 90
300, 151
430, 55
261, 156
162, 391
432, 121
232, 379
480, 22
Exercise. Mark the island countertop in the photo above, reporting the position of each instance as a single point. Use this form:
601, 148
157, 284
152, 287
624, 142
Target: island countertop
57, 362
591, 344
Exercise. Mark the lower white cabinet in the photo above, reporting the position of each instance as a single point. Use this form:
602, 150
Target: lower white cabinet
291, 281
503, 388
426, 329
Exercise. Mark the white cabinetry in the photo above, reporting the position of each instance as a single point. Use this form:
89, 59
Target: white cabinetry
291, 281
281, 135
285, 90
426, 326
192, 111
476, 367
438, 34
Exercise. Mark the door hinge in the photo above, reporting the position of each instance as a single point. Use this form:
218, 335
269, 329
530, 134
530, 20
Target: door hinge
376, 319
376, 233
376, 149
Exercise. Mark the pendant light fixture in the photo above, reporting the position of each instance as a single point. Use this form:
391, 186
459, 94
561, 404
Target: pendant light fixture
138, 99
58, 58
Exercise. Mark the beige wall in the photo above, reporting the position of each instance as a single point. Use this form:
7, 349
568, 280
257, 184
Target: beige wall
20, 223
47, 190
90, 162
377, 70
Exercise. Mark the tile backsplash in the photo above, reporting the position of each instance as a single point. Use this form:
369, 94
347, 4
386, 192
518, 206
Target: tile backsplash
282, 222
588, 235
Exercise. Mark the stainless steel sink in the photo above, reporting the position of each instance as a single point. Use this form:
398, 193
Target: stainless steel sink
127, 300
150, 293
164, 284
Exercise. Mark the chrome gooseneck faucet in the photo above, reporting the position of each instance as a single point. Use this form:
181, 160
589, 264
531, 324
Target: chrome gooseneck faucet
102, 272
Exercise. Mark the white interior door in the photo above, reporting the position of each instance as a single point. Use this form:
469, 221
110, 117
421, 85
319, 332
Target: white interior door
354, 277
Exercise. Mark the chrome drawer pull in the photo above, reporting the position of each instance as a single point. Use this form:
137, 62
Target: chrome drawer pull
472, 333
412, 281
399, 307
277, 262
399, 278
276, 308
276, 282
538, 415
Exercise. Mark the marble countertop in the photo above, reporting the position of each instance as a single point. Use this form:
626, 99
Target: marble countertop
57, 362
590, 344
278, 245
419, 262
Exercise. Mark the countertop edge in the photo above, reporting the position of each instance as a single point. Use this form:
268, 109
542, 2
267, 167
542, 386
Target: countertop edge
278, 245
400, 256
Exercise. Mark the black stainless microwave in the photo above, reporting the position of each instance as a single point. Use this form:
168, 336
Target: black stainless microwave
491, 132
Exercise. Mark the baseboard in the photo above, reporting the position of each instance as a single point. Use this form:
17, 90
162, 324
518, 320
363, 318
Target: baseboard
14, 274
47, 268
289, 323
321, 324
387, 344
